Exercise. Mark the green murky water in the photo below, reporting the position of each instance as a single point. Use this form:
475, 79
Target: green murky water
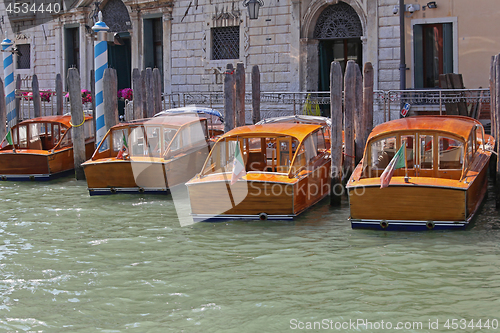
74, 263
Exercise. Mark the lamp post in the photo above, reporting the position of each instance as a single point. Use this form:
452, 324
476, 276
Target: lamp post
253, 8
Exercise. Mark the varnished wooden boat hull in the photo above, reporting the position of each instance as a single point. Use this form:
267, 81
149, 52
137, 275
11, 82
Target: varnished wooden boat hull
38, 166
415, 207
215, 200
110, 176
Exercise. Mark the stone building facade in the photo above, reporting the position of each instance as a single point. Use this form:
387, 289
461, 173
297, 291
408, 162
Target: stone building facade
292, 41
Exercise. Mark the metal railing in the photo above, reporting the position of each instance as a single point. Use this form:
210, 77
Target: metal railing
387, 103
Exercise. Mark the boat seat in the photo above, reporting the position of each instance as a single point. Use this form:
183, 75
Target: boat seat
35, 144
256, 161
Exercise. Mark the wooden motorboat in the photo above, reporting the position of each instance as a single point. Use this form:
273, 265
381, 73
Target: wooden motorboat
442, 183
148, 155
286, 169
42, 148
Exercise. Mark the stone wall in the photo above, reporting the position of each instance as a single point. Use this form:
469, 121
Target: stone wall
264, 42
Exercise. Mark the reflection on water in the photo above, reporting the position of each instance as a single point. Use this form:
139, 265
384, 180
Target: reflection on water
70, 262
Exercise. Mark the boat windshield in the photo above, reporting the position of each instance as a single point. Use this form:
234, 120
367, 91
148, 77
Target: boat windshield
451, 153
260, 154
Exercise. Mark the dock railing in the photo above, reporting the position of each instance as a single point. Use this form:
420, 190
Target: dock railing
387, 103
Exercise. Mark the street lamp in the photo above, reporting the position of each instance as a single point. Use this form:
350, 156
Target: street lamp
253, 8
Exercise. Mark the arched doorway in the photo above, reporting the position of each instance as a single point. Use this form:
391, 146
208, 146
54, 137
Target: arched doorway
339, 32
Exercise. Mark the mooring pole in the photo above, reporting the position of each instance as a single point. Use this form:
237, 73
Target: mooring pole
240, 94
255, 94
77, 120
336, 188
100, 64
349, 109
229, 98
8, 75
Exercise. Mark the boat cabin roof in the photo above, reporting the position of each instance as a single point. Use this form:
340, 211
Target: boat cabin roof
64, 120
171, 121
298, 131
456, 125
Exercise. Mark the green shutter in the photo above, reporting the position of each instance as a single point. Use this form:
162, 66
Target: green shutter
149, 60
418, 49
447, 48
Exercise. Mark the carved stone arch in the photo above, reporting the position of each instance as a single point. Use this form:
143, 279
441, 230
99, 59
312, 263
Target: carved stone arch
316, 9
116, 15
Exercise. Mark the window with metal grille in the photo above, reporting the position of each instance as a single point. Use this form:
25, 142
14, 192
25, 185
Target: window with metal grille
226, 43
23, 57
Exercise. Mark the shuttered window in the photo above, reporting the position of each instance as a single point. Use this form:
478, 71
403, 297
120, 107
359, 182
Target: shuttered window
433, 47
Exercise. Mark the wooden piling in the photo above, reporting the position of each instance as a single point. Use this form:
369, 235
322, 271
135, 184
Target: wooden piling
496, 126
240, 94
77, 119
3, 112
110, 99
255, 94
336, 189
229, 98
367, 112
59, 95
349, 109
137, 90
358, 117
150, 103
37, 102
143, 95
157, 90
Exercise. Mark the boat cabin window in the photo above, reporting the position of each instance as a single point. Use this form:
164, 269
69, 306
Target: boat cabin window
221, 158
451, 153
66, 140
426, 152
382, 152
408, 140
153, 140
23, 136
55, 133
118, 135
168, 135
136, 141
88, 128
35, 131
470, 150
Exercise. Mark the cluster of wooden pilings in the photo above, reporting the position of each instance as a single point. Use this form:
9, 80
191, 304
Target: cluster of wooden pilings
234, 96
495, 122
353, 117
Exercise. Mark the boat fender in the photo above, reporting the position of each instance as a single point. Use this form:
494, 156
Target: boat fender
430, 225
141, 190
113, 190
262, 216
384, 224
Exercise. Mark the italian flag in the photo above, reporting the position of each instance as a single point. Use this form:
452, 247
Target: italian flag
124, 149
397, 162
7, 140
238, 165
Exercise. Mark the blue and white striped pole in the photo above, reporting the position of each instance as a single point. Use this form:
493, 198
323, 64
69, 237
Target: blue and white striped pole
100, 64
8, 74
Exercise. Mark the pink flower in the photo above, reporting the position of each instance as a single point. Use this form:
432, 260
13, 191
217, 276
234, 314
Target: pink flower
126, 93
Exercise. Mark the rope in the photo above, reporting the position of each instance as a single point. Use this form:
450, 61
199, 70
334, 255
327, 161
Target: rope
348, 155
81, 123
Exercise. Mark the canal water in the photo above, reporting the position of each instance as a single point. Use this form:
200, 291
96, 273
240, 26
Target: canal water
74, 263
